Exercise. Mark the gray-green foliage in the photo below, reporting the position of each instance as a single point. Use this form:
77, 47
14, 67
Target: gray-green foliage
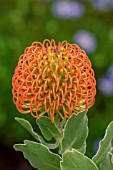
75, 132
48, 129
102, 157
108, 163
39, 138
39, 156
74, 160
70, 143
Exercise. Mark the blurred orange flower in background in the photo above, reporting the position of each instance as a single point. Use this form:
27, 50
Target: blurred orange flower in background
53, 79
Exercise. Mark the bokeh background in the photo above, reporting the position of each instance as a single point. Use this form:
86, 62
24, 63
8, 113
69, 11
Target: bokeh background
88, 23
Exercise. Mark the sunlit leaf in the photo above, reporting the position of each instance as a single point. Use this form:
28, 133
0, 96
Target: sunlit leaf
39, 156
75, 160
75, 133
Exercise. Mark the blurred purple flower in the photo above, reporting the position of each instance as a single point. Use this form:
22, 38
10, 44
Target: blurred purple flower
86, 40
66, 9
96, 145
102, 5
105, 85
110, 71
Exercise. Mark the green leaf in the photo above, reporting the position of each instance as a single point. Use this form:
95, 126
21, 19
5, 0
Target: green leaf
75, 160
48, 128
107, 164
83, 148
39, 155
75, 132
28, 127
104, 146
39, 138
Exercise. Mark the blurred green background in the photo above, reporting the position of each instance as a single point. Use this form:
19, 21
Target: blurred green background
25, 21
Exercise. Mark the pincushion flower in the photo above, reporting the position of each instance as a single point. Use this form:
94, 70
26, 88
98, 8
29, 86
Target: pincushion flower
53, 79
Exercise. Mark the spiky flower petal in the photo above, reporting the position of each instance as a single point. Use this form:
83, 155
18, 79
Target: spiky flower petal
54, 79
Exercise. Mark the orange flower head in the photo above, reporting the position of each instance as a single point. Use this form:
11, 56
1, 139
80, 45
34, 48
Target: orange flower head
54, 79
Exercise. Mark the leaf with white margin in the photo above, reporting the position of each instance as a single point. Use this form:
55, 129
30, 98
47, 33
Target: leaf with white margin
107, 164
39, 156
26, 124
75, 132
48, 128
104, 146
75, 160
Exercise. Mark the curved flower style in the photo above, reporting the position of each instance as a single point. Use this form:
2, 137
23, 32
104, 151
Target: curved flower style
54, 79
